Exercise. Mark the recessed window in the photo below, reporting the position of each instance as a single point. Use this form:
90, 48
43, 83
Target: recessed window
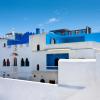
34, 75
8, 62
53, 41
15, 47
15, 61
42, 80
4, 45
27, 62
52, 81
38, 67
70, 33
8, 75
22, 62
4, 62
38, 47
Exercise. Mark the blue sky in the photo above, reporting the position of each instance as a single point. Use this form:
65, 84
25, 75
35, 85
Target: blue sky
26, 15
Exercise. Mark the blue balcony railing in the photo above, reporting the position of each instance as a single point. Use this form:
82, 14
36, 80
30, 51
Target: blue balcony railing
52, 68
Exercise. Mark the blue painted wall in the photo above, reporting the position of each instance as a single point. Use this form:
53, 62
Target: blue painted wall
93, 37
20, 39
72, 38
58, 37
64, 38
51, 58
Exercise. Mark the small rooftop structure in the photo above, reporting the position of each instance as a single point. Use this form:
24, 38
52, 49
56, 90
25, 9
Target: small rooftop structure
60, 30
87, 30
9, 34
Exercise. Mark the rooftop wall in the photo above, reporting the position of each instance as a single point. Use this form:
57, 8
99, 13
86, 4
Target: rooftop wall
71, 38
98, 69
77, 72
19, 39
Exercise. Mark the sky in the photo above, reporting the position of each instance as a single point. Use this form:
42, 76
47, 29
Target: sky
26, 15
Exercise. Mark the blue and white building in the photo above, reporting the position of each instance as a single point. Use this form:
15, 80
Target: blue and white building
34, 56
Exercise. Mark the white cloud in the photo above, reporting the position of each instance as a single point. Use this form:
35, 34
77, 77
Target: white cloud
53, 20
49, 21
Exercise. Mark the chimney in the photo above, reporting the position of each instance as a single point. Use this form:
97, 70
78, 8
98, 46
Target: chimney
37, 30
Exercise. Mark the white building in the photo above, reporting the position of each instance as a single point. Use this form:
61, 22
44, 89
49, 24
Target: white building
37, 60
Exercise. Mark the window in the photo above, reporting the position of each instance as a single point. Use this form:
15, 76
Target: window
34, 76
77, 31
8, 75
53, 41
42, 80
8, 62
52, 81
22, 62
4, 62
38, 67
38, 47
27, 62
4, 45
15, 47
70, 33
15, 61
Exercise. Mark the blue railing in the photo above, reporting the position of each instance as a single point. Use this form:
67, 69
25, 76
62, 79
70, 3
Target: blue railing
52, 68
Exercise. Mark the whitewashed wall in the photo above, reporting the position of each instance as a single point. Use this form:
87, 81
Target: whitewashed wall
84, 50
82, 54
77, 72
98, 68
5, 52
78, 45
35, 40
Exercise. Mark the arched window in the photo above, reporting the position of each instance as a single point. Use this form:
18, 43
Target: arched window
56, 61
38, 67
15, 61
53, 41
4, 62
8, 62
42, 80
27, 62
22, 62
4, 45
38, 47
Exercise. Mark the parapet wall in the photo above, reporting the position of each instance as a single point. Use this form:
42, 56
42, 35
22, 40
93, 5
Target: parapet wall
98, 69
78, 72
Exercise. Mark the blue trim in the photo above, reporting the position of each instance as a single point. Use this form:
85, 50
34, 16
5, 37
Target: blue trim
52, 68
